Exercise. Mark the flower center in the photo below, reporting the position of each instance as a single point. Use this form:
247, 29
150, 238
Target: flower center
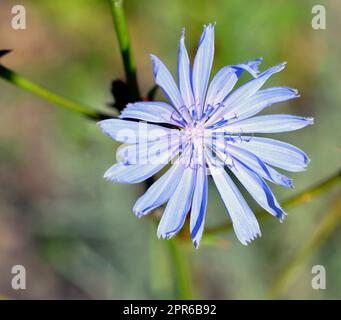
195, 134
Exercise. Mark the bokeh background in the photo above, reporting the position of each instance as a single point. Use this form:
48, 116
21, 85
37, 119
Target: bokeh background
75, 233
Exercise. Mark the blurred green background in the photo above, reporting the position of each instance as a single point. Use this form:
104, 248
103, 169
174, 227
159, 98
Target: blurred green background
75, 233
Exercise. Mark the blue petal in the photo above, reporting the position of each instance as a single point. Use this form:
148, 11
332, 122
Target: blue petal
259, 101
158, 112
225, 79
178, 206
245, 91
133, 131
164, 79
249, 66
184, 74
202, 67
199, 203
134, 173
149, 152
122, 173
269, 124
252, 86
255, 163
160, 191
244, 221
221, 85
258, 189
277, 153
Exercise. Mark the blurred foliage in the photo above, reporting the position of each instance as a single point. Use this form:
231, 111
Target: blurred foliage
74, 232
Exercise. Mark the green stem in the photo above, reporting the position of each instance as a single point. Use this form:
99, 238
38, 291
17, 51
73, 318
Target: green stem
181, 270
125, 47
297, 199
46, 94
322, 232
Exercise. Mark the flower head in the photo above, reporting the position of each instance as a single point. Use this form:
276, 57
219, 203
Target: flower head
206, 129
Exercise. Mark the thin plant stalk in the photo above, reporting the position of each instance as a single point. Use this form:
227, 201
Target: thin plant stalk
23, 83
125, 48
181, 270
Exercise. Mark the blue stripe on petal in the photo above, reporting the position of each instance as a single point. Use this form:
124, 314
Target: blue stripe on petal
269, 124
258, 189
249, 66
244, 221
202, 67
199, 203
